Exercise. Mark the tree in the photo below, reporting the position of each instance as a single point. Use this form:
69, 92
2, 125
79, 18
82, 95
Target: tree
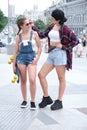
3, 20
48, 23
40, 24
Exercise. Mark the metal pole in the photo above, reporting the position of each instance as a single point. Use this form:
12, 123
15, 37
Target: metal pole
8, 21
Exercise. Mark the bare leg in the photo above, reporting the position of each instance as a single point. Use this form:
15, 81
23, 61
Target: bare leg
32, 80
23, 78
46, 68
62, 82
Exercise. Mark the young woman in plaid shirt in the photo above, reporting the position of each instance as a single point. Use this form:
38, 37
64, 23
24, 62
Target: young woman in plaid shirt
61, 40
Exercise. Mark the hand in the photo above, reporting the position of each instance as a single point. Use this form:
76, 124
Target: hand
34, 62
14, 68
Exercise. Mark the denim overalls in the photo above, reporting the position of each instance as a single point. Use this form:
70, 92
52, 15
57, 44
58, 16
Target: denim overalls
26, 54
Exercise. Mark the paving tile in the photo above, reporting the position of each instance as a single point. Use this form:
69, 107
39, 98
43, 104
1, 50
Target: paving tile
73, 116
83, 110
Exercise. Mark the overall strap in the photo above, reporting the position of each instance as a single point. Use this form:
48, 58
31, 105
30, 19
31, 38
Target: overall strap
20, 37
31, 34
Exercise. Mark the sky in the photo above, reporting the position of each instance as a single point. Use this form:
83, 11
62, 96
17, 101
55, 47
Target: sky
21, 5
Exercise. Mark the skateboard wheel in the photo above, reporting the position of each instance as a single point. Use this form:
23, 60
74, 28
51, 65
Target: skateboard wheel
9, 62
12, 57
13, 80
15, 76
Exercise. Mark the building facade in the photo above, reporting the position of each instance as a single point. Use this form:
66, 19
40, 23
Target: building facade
76, 13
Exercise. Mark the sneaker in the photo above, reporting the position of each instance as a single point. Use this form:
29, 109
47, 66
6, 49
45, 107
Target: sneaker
57, 105
32, 106
45, 101
24, 104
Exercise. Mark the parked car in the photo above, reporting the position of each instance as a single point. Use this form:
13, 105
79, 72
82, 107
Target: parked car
2, 44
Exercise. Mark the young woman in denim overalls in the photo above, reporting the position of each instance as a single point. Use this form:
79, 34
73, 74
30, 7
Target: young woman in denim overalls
26, 59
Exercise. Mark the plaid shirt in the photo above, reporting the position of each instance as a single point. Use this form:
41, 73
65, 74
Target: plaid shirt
68, 40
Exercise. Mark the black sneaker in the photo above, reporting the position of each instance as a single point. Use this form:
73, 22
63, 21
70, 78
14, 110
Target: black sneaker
45, 101
24, 104
32, 106
57, 105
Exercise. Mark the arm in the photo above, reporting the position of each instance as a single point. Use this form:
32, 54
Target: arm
38, 44
73, 41
43, 34
15, 52
68, 42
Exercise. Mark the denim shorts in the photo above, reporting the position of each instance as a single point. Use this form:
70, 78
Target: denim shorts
25, 58
57, 57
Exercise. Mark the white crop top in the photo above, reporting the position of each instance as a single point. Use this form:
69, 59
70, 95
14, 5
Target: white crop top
54, 36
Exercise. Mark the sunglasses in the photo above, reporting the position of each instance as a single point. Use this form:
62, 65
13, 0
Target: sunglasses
27, 24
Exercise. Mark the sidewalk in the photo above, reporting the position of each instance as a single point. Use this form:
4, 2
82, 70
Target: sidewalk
72, 117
